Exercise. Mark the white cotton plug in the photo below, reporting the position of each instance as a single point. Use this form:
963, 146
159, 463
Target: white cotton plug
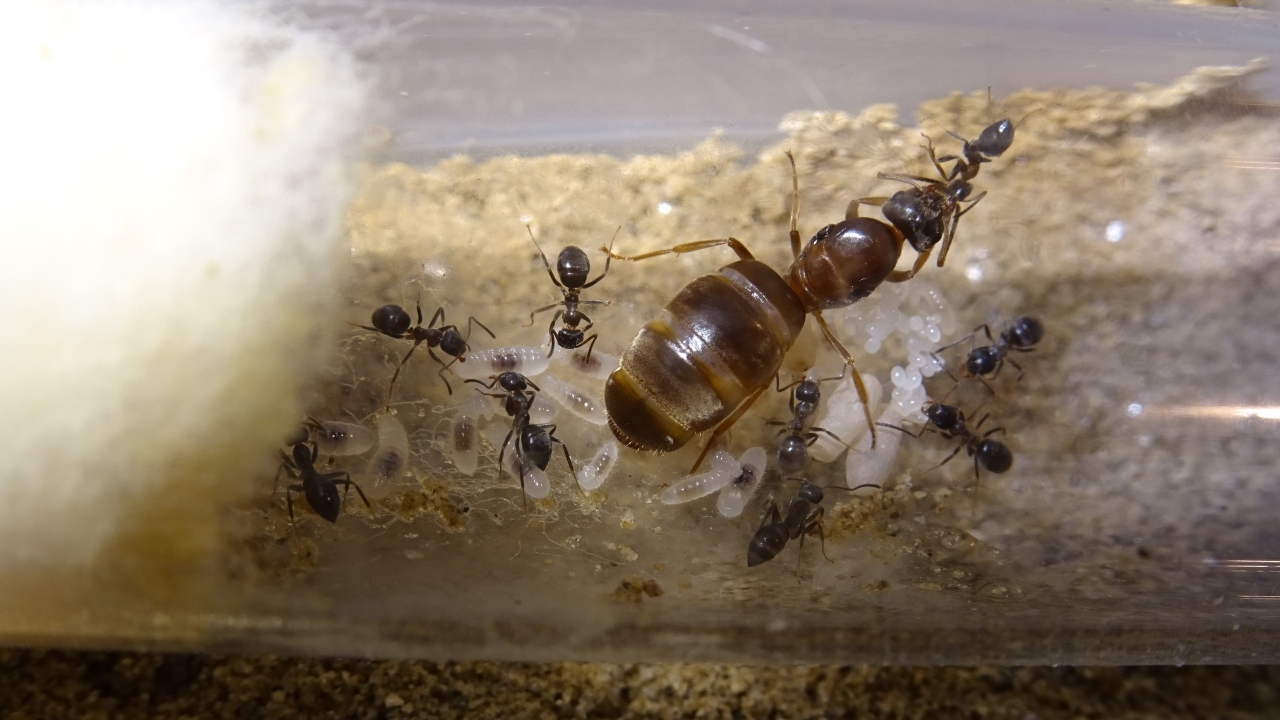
172, 188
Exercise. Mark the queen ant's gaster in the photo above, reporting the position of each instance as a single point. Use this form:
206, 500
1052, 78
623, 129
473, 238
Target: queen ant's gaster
1021, 336
534, 443
793, 452
929, 211
574, 267
394, 321
949, 422
320, 489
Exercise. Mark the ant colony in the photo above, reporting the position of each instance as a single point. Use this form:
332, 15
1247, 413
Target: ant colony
787, 373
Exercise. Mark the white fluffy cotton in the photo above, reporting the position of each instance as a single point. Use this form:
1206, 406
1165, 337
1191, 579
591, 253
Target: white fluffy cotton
172, 182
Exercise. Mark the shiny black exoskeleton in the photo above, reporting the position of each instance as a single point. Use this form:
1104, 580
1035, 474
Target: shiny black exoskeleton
320, 489
394, 321
793, 452
949, 422
928, 212
804, 516
534, 443
1021, 336
574, 267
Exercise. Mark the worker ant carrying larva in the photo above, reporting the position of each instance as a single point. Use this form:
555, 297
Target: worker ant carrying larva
793, 452
574, 267
929, 211
534, 443
320, 489
1021, 336
393, 321
949, 422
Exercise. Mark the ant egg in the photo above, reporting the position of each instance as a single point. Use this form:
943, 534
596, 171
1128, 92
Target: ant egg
576, 401
595, 472
842, 416
733, 498
390, 462
867, 465
481, 364
339, 438
601, 365
724, 469
464, 433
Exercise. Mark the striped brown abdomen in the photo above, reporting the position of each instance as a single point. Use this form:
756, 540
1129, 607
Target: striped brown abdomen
719, 340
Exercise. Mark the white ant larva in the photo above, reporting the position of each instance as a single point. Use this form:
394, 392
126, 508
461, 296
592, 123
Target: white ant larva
388, 465
542, 411
842, 416
464, 437
577, 401
339, 438
867, 466
724, 469
536, 484
595, 472
481, 364
600, 366
733, 498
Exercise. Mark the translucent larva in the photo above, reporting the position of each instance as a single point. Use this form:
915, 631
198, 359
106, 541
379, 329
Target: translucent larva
481, 364
339, 438
724, 470
464, 434
594, 473
842, 415
536, 484
866, 466
600, 366
733, 498
577, 401
389, 463
542, 411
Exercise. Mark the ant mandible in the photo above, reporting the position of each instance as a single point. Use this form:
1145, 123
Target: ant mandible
320, 489
393, 321
573, 266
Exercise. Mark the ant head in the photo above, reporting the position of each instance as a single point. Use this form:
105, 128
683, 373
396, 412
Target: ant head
994, 139
982, 361
391, 320
994, 455
808, 392
573, 266
943, 417
811, 492
513, 382
1026, 331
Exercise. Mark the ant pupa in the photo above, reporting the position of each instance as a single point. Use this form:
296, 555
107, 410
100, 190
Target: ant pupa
574, 400
527, 361
464, 438
388, 465
339, 438
843, 417
597, 470
724, 468
867, 465
320, 489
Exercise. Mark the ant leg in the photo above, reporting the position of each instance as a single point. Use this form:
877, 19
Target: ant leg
827, 432
438, 317
471, 319
288, 498
815, 523
905, 431
1021, 372
992, 431
493, 380
857, 376
544, 259
951, 228
944, 462
286, 466
349, 484
551, 331
738, 247
535, 312
724, 426
921, 260
608, 259
572, 471
392, 386
591, 344
795, 207
772, 516
945, 348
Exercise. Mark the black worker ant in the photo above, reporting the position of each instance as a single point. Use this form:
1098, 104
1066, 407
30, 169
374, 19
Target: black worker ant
929, 211
534, 443
793, 453
320, 489
573, 266
949, 422
394, 321
804, 516
1021, 336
